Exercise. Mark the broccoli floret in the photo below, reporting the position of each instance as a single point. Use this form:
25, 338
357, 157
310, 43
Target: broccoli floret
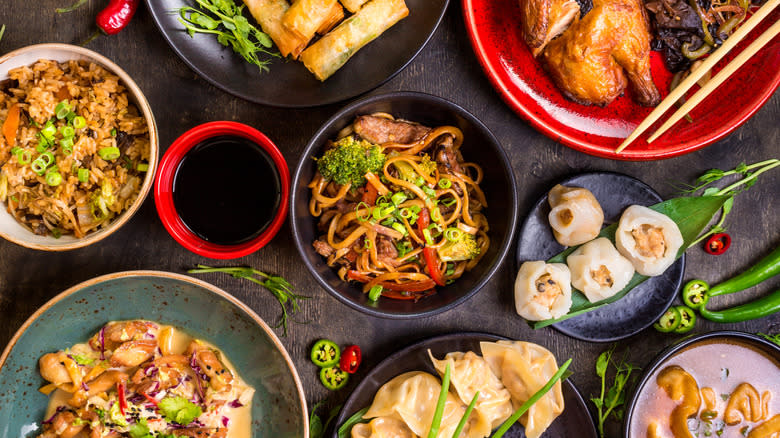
407, 172
465, 248
349, 160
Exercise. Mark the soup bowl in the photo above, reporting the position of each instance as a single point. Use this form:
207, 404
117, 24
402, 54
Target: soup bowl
196, 307
479, 146
713, 365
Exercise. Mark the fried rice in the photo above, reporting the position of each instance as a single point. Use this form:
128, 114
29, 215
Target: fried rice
89, 181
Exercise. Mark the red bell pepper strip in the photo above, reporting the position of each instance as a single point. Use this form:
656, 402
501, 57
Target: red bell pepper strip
412, 286
369, 195
423, 220
120, 389
350, 359
432, 261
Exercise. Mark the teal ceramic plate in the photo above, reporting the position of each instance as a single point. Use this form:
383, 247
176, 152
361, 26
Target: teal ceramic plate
200, 309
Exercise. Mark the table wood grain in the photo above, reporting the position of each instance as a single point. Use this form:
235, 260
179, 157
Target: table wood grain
446, 67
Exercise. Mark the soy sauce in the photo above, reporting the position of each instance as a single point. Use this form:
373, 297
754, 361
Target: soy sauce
226, 190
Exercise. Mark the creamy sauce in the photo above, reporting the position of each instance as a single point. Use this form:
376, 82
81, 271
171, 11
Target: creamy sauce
716, 364
240, 418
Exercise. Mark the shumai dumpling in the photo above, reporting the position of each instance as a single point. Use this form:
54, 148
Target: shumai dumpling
598, 270
542, 290
649, 239
382, 427
576, 216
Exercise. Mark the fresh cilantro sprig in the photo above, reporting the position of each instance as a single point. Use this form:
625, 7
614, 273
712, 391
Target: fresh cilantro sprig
223, 18
179, 410
612, 399
316, 427
278, 286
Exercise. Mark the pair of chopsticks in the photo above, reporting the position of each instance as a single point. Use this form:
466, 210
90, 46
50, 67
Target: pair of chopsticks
713, 83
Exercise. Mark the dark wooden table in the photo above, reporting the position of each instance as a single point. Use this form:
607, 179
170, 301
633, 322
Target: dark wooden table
446, 67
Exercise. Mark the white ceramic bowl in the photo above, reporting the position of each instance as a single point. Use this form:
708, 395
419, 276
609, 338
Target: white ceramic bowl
10, 228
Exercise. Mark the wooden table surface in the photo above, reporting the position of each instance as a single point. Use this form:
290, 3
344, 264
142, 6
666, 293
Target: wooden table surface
446, 67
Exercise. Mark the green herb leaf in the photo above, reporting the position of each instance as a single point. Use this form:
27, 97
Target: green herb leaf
139, 429
179, 410
771, 338
611, 400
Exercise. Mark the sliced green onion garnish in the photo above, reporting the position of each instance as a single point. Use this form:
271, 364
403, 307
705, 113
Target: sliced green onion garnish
530, 402
435, 214
388, 222
445, 183
43, 144
387, 210
109, 153
381, 200
38, 166
428, 191
143, 167
66, 142
400, 228
427, 235
49, 130
449, 202
450, 270
53, 178
445, 388
68, 131
358, 208
398, 198
415, 209
419, 181
466, 415
453, 234
367, 244
406, 213
47, 158
24, 157
83, 175
376, 213
62, 109
375, 292
79, 122
70, 116
15, 150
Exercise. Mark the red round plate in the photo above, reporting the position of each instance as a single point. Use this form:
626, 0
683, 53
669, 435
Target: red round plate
494, 29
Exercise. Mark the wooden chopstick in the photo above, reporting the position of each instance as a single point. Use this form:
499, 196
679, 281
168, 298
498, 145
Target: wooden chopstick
695, 75
721, 77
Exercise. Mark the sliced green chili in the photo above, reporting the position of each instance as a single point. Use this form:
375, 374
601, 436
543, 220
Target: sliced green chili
325, 353
333, 378
687, 320
696, 294
669, 321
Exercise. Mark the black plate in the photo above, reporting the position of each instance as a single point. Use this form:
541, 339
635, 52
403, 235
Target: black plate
289, 83
641, 307
575, 421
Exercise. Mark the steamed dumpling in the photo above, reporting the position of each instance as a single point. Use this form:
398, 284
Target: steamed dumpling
412, 397
649, 239
524, 368
576, 216
542, 290
598, 270
382, 427
470, 373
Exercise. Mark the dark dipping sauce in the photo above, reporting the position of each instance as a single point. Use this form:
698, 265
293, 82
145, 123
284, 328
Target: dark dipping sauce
226, 190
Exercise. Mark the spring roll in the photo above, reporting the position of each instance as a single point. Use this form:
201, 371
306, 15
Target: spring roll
333, 50
353, 5
268, 14
304, 17
334, 17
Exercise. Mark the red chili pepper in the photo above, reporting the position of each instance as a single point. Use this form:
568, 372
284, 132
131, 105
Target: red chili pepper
120, 389
370, 194
432, 261
412, 286
718, 244
350, 359
150, 400
116, 15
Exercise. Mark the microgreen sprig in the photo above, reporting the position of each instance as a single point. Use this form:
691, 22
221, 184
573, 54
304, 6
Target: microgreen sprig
278, 286
611, 400
223, 18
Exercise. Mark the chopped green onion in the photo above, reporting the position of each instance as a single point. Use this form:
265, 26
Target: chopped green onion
428, 191
427, 235
381, 200
47, 157
109, 153
415, 209
450, 270
449, 202
49, 130
435, 214
62, 109
376, 213
143, 167
403, 248
466, 415
15, 150
367, 244
79, 122
400, 228
388, 222
67, 143
83, 175
38, 166
445, 387
53, 178
398, 198
375, 292
24, 157
56, 232
531, 401
445, 183
453, 234
70, 116
43, 144
406, 213
68, 131
113, 132
358, 208
419, 181
387, 210
354, 419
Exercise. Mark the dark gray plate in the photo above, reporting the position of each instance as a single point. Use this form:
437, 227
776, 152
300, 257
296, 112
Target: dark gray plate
575, 421
289, 83
641, 307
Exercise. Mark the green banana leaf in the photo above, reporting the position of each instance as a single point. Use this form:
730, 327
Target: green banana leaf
691, 214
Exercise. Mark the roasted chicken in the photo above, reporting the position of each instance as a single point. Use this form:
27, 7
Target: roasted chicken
544, 20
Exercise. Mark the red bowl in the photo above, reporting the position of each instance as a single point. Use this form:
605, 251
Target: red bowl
163, 190
495, 33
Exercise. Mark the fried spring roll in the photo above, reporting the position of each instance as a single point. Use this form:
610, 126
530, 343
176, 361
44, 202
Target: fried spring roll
334, 17
333, 50
353, 5
306, 16
268, 14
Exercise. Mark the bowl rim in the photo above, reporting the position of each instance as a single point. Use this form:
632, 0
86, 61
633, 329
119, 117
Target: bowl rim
180, 277
314, 143
674, 348
154, 146
163, 189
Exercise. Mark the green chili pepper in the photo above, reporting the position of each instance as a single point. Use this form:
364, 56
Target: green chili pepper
375, 292
687, 320
759, 308
669, 321
766, 268
325, 353
696, 294
333, 378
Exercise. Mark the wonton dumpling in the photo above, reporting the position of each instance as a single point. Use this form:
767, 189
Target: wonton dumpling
470, 373
412, 397
382, 427
525, 368
649, 239
598, 270
576, 216
542, 290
